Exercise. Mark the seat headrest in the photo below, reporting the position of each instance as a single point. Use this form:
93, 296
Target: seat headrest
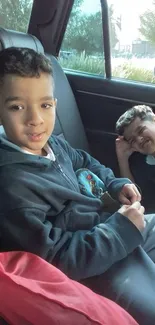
9, 38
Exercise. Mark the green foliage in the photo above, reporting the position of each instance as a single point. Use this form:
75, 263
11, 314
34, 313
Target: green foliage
147, 25
84, 63
76, 6
15, 14
127, 70
84, 32
113, 24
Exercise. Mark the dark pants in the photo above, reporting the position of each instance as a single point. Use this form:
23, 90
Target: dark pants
131, 282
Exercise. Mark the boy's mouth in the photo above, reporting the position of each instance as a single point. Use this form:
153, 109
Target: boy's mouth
36, 136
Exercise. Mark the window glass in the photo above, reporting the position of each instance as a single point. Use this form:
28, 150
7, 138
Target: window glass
15, 14
133, 39
82, 47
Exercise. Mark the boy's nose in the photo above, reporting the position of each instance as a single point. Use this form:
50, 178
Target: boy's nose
34, 118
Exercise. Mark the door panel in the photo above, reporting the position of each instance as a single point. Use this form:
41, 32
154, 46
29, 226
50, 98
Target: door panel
101, 102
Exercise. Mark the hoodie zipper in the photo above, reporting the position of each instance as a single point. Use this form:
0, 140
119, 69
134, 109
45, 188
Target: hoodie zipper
66, 176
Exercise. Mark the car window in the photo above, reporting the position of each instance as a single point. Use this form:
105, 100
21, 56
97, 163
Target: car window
133, 39
15, 14
82, 47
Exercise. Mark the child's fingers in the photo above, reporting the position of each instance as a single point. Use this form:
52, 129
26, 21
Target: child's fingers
121, 137
136, 205
139, 207
118, 140
142, 209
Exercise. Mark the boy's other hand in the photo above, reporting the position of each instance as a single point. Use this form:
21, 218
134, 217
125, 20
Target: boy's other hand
129, 194
123, 148
135, 213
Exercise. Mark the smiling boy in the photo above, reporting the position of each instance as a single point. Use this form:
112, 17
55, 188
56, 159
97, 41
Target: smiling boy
28, 128
136, 129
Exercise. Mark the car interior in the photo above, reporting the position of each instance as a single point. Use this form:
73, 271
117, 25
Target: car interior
88, 105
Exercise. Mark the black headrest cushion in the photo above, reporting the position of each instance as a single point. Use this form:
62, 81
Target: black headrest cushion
9, 38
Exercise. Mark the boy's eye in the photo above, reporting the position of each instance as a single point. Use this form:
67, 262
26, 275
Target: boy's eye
141, 130
47, 105
132, 142
16, 107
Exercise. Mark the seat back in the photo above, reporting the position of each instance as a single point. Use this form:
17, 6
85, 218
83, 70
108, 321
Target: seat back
68, 121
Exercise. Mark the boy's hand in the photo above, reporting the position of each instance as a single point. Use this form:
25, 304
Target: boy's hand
135, 213
123, 148
129, 194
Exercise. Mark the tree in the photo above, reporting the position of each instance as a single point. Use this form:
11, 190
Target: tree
113, 24
147, 25
84, 32
76, 6
15, 14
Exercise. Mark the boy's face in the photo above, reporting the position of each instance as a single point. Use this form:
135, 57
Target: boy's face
27, 111
141, 136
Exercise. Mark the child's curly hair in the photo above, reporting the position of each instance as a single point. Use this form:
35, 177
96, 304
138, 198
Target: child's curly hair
23, 62
142, 111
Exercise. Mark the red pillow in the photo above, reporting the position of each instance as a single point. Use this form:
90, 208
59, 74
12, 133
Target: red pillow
35, 292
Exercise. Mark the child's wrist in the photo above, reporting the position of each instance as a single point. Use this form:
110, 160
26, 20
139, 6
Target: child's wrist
123, 156
124, 162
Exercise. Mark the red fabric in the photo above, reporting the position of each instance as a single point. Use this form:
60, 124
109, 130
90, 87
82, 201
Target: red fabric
33, 292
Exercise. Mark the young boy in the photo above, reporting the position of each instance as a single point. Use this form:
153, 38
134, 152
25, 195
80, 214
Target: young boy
41, 208
136, 129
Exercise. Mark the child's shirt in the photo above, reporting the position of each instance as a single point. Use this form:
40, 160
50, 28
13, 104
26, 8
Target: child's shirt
50, 154
143, 170
150, 160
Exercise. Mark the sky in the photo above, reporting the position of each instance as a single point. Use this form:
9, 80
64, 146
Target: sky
129, 10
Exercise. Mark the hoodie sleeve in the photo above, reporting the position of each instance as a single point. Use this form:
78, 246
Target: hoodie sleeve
81, 159
79, 254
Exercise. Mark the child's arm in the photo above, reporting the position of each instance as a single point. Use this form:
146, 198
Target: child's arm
81, 159
80, 253
124, 151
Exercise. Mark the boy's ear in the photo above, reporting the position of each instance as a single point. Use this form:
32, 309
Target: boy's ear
55, 100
